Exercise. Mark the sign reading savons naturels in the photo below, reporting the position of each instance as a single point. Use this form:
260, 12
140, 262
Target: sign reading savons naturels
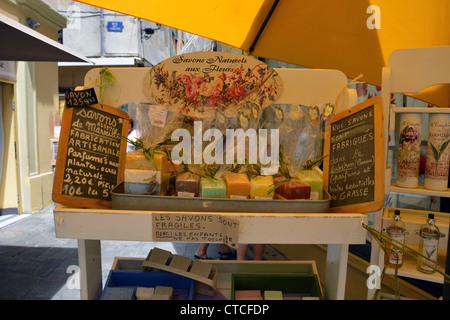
203, 84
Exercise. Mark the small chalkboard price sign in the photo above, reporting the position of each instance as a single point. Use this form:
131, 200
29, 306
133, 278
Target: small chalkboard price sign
354, 169
80, 97
91, 155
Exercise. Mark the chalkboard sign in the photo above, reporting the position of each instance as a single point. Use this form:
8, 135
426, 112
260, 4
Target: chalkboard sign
80, 97
91, 155
354, 169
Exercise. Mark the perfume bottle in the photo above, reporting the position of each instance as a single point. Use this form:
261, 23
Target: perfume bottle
397, 232
429, 239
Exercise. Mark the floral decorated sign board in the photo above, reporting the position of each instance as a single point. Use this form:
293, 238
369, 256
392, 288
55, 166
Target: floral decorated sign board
205, 84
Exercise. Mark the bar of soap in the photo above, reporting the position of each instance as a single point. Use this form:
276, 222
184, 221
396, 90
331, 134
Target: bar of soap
138, 181
174, 166
315, 180
213, 188
164, 291
273, 295
260, 186
238, 185
292, 296
201, 268
136, 160
119, 293
180, 262
294, 189
187, 184
247, 295
159, 296
144, 293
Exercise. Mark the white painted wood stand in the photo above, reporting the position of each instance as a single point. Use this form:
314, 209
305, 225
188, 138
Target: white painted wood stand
90, 226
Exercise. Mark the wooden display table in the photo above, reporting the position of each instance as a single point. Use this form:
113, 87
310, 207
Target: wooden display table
90, 226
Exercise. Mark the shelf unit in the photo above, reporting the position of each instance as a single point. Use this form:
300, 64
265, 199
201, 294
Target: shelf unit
411, 71
420, 190
413, 220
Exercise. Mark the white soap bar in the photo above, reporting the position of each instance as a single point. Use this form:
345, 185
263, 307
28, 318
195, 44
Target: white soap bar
141, 176
144, 293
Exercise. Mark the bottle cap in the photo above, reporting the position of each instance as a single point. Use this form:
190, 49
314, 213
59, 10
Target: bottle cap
431, 216
397, 212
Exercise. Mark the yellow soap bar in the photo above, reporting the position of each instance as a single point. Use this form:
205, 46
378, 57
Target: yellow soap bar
238, 184
260, 187
137, 160
164, 290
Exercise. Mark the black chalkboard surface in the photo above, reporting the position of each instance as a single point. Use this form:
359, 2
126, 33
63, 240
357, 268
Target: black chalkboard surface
354, 169
91, 155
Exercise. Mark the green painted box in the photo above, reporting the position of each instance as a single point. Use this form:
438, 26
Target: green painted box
306, 285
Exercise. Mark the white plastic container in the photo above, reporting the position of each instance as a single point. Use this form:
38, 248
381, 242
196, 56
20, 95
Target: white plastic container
409, 150
438, 152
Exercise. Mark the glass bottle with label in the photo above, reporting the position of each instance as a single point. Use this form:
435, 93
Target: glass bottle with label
397, 232
429, 238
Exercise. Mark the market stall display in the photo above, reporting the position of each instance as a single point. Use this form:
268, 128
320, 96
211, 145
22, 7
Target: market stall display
308, 97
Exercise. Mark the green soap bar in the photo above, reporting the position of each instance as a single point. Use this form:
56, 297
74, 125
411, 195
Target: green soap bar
213, 188
315, 180
273, 295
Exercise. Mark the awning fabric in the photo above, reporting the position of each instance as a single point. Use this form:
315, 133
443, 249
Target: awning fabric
20, 43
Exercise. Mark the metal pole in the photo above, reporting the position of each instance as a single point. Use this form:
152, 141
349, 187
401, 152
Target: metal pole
102, 26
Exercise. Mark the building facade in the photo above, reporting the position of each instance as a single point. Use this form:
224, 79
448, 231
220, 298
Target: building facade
29, 110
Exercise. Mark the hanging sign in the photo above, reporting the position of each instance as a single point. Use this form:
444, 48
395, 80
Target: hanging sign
91, 155
354, 169
201, 84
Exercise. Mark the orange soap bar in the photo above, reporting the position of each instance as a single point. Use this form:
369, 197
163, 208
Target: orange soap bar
238, 185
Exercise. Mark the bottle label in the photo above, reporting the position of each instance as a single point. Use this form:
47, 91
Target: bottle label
395, 254
409, 148
429, 251
438, 150
186, 194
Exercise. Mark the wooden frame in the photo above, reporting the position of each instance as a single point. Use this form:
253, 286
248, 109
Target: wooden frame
379, 164
81, 199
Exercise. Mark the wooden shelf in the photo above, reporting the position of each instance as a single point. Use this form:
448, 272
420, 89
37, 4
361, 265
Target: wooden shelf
409, 269
420, 190
97, 224
413, 220
419, 110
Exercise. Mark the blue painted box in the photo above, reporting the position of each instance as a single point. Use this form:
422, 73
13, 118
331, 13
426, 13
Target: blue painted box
183, 287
